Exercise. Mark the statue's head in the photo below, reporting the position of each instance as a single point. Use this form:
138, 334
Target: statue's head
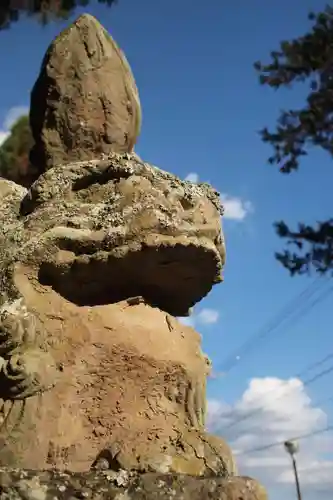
101, 231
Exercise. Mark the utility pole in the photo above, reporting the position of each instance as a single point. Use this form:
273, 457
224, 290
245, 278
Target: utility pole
292, 448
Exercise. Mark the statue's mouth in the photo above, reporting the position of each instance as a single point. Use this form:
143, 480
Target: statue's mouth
170, 273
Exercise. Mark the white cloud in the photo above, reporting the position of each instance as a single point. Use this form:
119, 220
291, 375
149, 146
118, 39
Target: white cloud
286, 412
205, 316
208, 316
10, 118
234, 207
192, 177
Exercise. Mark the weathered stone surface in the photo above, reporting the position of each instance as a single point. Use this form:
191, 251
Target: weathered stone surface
118, 228
117, 385
85, 101
16, 484
97, 376
85, 357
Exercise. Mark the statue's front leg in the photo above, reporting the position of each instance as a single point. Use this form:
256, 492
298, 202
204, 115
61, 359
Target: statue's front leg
25, 369
26, 373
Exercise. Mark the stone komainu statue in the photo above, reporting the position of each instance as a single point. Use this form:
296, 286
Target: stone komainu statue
97, 259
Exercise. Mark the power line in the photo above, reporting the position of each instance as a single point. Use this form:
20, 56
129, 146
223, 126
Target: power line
292, 316
318, 376
279, 443
318, 403
286, 313
315, 365
291, 311
306, 383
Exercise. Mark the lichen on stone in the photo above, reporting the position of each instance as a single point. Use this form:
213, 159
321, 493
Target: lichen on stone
102, 389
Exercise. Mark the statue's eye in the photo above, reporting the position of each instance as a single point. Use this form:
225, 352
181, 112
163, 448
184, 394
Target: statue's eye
100, 178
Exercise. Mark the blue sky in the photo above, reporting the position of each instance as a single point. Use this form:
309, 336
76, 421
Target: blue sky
202, 109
